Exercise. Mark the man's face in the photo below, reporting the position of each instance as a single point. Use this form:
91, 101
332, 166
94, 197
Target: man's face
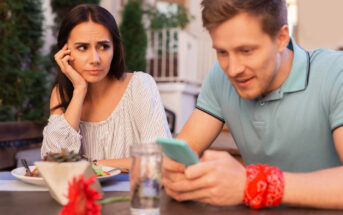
249, 57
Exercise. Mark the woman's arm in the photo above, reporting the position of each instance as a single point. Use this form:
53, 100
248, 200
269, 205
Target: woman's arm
62, 129
115, 163
73, 112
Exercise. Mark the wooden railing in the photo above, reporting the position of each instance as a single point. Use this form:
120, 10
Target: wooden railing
172, 56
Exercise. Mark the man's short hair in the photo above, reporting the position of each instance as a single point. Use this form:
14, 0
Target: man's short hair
273, 13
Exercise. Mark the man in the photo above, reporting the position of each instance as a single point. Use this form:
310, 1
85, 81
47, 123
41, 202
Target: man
283, 106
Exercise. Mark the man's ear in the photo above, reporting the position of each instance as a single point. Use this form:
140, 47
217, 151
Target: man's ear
283, 37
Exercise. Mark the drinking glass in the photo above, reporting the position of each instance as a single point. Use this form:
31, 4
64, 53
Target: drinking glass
145, 178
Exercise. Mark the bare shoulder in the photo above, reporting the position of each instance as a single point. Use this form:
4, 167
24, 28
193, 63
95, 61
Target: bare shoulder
55, 100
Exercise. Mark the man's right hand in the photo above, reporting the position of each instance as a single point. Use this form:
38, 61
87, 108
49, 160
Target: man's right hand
172, 171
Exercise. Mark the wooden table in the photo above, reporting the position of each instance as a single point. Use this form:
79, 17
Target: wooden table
36, 203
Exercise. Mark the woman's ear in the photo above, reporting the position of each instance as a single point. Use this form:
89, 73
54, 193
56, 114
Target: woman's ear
283, 37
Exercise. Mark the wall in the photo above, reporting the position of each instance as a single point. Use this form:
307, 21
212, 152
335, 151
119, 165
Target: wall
206, 54
319, 24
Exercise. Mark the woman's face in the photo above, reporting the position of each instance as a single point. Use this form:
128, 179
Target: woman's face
91, 47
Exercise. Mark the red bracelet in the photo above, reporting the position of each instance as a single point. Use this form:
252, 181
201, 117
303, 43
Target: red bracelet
264, 186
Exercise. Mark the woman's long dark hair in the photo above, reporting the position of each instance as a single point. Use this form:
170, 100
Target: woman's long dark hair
77, 15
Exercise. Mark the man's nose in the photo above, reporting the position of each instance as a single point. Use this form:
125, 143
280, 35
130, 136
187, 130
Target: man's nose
234, 67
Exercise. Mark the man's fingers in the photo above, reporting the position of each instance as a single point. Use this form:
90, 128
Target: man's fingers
206, 181
185, 196
170, 165
198, 170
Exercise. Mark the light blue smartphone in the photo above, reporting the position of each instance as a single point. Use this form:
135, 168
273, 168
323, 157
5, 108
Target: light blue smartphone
178, 150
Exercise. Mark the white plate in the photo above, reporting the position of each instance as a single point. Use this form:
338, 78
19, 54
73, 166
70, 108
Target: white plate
20, 174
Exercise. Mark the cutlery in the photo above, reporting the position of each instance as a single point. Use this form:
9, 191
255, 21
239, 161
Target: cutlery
28, 171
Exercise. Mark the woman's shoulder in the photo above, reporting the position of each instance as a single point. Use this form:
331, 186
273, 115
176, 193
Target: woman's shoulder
142, 76
143, 80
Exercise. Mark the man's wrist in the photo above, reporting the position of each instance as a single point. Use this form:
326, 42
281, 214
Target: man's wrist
264, 186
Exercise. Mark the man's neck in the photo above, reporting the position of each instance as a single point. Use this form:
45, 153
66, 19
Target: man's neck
286, 61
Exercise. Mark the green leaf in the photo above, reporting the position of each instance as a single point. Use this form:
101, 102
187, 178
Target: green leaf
114, 199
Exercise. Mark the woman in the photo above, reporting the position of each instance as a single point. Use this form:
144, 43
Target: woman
96, 108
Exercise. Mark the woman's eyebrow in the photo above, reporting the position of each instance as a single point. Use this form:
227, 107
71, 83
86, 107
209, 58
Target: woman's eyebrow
104, 42
80, 43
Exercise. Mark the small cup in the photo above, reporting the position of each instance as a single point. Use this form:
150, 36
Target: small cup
145, 178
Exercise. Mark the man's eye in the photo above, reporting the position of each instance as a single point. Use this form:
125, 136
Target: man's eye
221, 52
246, 51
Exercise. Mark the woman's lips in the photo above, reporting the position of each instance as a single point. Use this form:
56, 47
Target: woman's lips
93, 71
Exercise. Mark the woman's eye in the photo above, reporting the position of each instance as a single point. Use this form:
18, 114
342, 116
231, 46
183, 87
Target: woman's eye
104, 47
81, 48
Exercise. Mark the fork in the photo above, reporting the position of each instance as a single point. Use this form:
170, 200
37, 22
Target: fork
23, 161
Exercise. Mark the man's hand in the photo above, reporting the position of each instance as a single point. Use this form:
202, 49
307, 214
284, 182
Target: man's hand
172, 172
218, 179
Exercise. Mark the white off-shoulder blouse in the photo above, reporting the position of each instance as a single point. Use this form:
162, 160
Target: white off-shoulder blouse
138, 118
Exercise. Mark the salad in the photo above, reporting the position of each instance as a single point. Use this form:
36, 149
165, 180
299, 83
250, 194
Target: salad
97, 169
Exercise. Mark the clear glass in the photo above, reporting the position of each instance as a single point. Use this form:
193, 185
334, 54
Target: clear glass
145, 179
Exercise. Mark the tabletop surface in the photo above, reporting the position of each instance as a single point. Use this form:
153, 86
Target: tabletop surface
40, 202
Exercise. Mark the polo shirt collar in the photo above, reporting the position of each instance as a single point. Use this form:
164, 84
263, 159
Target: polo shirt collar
297, 78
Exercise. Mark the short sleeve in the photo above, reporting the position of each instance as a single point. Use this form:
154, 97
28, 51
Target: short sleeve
336, 101
208, 100
149, 111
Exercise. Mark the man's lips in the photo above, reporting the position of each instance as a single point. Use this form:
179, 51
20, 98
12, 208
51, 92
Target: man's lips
244, 82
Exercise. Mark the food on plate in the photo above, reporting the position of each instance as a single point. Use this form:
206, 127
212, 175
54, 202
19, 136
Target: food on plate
34, 172
98, 170
68, 156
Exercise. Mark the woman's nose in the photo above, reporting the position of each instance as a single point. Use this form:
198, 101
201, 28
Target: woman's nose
95, 57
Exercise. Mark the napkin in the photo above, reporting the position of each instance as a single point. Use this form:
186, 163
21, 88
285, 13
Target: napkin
57, 176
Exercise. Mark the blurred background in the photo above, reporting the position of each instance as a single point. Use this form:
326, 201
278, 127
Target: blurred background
164, 38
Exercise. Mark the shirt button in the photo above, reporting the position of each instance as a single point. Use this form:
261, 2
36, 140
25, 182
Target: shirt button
261, 103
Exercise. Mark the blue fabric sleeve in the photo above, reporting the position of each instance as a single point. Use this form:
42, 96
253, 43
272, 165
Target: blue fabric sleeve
336, 100
208, 100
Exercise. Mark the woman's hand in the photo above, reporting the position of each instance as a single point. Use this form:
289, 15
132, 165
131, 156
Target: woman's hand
63, 60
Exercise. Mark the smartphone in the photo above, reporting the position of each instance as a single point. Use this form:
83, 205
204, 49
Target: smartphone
178, 150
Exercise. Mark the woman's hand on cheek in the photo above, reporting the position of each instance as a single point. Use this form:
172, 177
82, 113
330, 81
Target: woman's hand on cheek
63, 59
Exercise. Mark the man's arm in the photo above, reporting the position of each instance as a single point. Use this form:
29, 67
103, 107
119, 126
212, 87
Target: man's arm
200, 130
220, 180
323, 189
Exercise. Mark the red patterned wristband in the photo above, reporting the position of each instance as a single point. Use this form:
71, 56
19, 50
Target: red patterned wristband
264, 186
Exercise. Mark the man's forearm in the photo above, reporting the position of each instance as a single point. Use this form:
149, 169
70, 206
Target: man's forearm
320, 189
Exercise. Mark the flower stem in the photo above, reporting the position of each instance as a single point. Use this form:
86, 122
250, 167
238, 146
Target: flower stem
114, 199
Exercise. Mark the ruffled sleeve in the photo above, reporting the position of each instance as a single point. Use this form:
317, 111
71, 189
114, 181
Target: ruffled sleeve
59, 134
149, 114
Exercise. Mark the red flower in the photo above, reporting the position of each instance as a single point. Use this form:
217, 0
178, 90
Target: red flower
82, 198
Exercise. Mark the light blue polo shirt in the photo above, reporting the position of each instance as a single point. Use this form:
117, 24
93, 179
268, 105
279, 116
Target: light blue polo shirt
292, 126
